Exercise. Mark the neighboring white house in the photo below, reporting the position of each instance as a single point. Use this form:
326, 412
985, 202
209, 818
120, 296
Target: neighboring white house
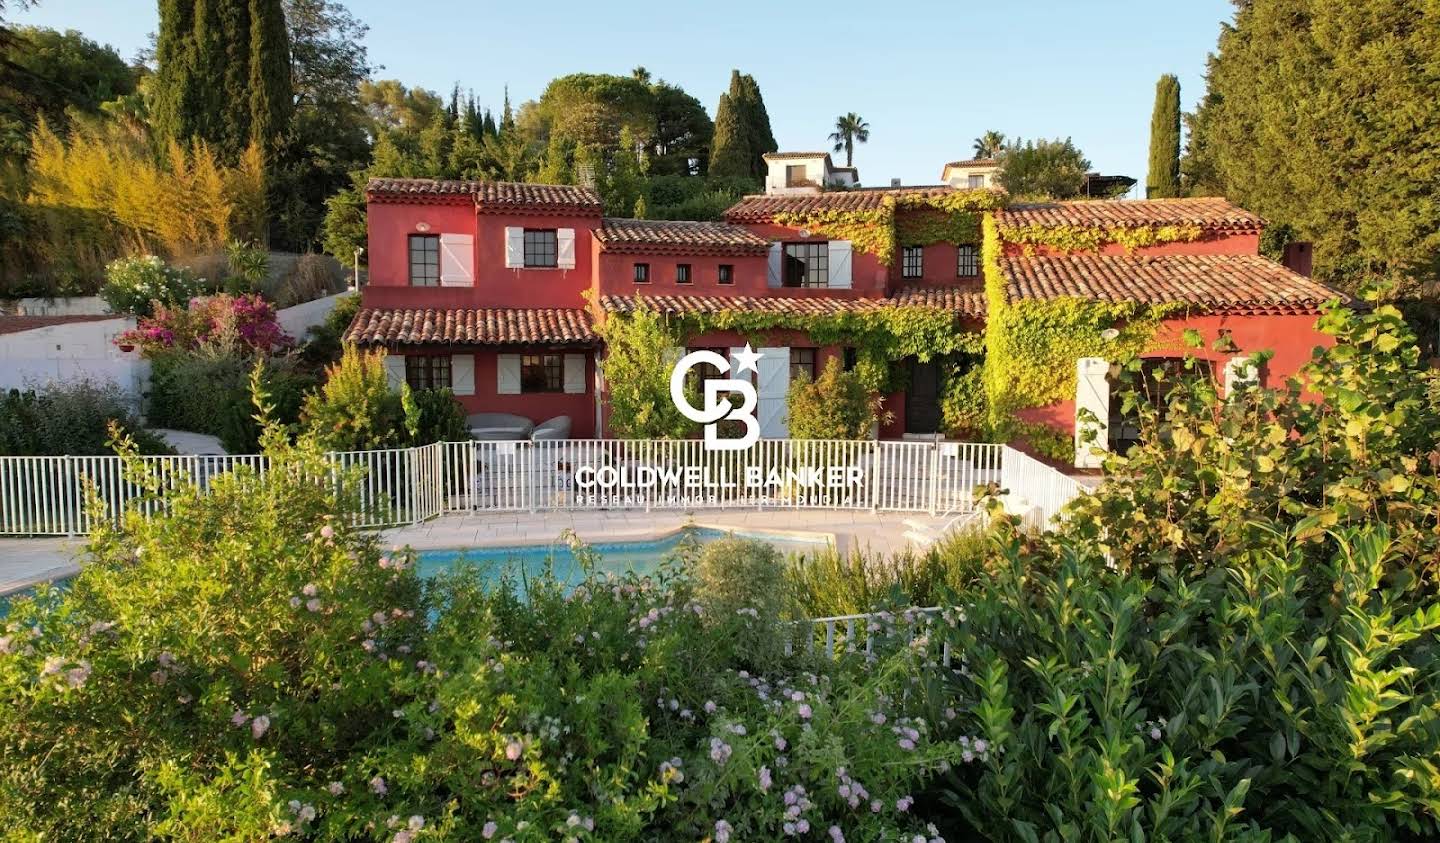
806, 172
35, 350
973, 174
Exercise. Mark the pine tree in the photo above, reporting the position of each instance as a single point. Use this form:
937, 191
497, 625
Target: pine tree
1164, 178
730, 150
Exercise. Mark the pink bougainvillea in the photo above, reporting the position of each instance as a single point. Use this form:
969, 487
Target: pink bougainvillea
239, 322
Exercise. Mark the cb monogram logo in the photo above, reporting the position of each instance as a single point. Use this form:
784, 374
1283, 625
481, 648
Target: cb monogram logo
718, 409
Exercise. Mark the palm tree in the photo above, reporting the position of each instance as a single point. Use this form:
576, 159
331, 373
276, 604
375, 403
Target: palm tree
990, 145
849, 130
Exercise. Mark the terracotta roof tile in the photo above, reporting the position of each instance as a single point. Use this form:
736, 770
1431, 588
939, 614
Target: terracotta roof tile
967, 300
625, 235
763, 208
781, 156
1219, 283
973, 162
1207, 212
471, 326
677, 305
490, 196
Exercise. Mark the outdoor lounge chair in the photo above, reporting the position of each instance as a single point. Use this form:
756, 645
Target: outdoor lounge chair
556, 428
498, 427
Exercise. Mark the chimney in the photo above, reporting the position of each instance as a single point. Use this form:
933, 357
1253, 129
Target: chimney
894, 182
1299, 258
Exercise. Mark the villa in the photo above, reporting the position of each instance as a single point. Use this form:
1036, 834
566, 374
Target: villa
495, 289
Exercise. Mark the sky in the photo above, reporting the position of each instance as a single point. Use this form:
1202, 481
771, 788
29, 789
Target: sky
929, 77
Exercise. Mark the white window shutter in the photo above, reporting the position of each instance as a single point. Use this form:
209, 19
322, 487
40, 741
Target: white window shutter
773, 389
839, 264
1240, 372
395, 370
1092, 394
457, 260
462, 374
508, 374
775, 279
575, 374
514, 247
565, 240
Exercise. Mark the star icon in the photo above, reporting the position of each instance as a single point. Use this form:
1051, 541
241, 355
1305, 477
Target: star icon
746, 359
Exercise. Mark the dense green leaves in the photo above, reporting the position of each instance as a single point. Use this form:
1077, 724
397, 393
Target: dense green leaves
1164, 176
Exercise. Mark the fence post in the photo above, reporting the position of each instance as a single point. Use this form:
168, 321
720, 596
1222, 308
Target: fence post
934, 477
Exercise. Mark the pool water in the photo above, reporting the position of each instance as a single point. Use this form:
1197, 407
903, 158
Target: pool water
641, 557
529, 561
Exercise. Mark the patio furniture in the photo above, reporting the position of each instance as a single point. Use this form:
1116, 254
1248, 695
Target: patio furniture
556, 428
493, 427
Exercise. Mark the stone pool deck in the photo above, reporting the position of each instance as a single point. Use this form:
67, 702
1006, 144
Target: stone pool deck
24, 562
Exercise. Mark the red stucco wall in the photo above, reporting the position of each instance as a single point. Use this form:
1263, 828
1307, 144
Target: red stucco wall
495, 285
536, 406
616, 275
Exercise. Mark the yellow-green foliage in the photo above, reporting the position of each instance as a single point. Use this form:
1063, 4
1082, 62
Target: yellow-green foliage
877, 231
102, 192
1070, 238
1031, 345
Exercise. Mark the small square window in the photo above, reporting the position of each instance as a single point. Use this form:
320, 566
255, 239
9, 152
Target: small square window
642, 273
542, 247
912, 262
975, 182
682, 273
727, 274
424, 260
967, 260
802, 362
542, 373
427, 371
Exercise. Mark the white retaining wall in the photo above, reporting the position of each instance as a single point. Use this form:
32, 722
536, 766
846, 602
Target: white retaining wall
65, 352
75, 306
298, 319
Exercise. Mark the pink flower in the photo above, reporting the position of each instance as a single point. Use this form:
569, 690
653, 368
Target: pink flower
336, 788
327, 532
513, 750
765, 779
488, 830
804, 711
259, 726
313, 604
310, 590
722, 831
377, 785
239, 718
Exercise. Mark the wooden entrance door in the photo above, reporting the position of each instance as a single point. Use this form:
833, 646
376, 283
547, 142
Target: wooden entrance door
922, 399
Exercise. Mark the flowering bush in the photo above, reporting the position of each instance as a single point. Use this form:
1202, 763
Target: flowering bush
136, 285
232, 324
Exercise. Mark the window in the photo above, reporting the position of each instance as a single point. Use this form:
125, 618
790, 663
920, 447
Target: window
851, 358
967, 260
682, 273
642, 273
427, 371
802, 362
807, 264
696, 377
1158, 375
424, 260
795, 175
975, 182
542, 247
912, 261
542, 373
727, 274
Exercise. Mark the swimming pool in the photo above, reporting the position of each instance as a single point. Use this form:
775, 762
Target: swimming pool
642, 557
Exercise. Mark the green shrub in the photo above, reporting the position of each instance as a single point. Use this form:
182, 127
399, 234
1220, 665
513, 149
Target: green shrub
1234, 635
354, 410
194, 390
964, 410
323, 347
830, 583
834, 406
740, 587
285, 386
70, 417
433, 415
133, 285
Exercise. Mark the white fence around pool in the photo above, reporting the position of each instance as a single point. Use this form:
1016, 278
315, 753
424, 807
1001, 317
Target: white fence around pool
49, 495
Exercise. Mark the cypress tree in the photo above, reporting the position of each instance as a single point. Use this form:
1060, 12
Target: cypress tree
224, 74
1164, 178
757, 122
272, 93
730, 150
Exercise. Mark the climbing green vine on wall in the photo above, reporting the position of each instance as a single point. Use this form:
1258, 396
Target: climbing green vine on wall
1073, 238
953, 217
1031, 345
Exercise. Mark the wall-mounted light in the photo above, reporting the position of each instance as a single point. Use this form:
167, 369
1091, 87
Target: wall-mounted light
1110, 334
804, 232
422, 226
